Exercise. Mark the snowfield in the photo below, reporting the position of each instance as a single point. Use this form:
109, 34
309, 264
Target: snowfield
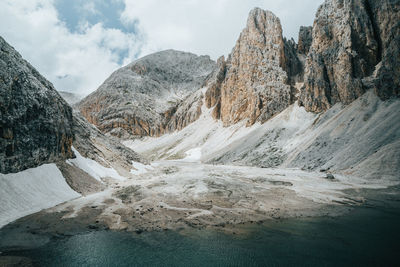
32, 190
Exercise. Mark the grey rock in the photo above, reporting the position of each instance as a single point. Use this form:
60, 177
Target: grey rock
36, 124
354, 47
330, 176
91, 143
305, 40
255, 86
139, 99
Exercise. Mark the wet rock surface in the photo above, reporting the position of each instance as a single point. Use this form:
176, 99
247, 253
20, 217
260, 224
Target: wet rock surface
36, 124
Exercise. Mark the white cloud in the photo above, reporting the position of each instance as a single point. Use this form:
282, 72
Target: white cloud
80, 61
209, 26
77, 62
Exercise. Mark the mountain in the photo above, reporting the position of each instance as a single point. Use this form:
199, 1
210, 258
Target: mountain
140, 98
301, 128
49, 154
344, 58
321, 104
355, 48
255, 81
36, 124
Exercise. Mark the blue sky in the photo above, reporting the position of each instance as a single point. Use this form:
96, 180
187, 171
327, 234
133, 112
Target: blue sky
77, 13
77, 44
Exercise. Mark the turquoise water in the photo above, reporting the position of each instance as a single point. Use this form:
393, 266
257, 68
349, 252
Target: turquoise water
365, 237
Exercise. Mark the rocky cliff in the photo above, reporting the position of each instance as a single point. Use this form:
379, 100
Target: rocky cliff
351, 48
305, 40
354, 48
253, 83
36, 124
141, 98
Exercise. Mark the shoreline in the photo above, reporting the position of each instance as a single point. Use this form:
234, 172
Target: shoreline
381, 203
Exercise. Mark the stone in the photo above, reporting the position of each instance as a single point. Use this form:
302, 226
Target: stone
91, 143
354, 48
330, 176
305, 40
255, 86
36, 124
213, 93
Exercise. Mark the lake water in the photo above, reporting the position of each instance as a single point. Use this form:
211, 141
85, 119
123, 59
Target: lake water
365, 237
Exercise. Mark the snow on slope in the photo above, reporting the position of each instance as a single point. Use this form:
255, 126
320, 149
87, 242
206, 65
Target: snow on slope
93, 167
32, 190
202, 137
361, 139
207, 140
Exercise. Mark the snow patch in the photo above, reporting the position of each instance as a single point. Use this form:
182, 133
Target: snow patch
32, 190
93, 167
140, 168
193, 155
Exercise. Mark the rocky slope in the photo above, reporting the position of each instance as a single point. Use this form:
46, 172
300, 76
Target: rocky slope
354, 48
141, 98
305, 40
36, 124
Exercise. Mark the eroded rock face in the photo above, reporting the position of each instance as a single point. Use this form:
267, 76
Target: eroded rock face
36, 125
255, 86
350, 38
142, 97
305, 40
385, 16
106, 150
213, 93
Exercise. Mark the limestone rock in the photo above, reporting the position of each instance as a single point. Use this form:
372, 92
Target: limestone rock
139, 99
255, 86
214, 82
350, 38
305, 40
385, 17
293, 66
106, 150
36, 124
187, 112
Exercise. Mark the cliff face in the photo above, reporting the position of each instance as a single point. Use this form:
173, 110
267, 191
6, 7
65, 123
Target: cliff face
350, 38
305, 40
141, 98
36, 124
351, 48
252, 84
385, 17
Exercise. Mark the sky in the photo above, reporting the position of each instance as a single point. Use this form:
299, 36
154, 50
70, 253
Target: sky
77, 44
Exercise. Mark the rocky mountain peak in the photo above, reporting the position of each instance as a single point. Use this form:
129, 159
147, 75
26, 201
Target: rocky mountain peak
255, 85
305, 40
140, 98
